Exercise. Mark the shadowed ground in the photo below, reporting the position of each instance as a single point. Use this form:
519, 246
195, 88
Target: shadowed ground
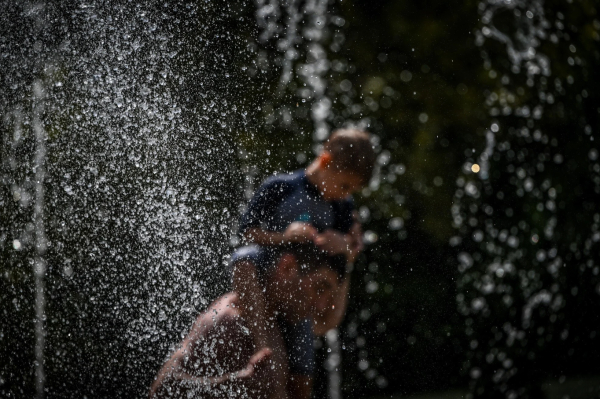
574, 388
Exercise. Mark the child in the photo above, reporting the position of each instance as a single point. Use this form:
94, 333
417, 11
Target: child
312, 205
315, 204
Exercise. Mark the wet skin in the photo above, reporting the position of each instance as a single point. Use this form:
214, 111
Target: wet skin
218, 357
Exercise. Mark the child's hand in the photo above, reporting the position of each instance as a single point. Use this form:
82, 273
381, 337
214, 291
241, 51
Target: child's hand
299, 232
334, 242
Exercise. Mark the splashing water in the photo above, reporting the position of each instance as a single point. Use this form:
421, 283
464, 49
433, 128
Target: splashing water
523, 42
303, 31
39, 166
127, 164
284, 19
516, 266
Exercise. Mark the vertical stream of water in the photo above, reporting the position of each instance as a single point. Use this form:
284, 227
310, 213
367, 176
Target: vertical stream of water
39, 167
303, 28
529, 256
116, 172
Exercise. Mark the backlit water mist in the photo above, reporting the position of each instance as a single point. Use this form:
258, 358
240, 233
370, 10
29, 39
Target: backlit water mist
129, 133
115, 204
120, 180
527, 205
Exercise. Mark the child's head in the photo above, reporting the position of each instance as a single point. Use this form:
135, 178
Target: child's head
351, 152
346, 163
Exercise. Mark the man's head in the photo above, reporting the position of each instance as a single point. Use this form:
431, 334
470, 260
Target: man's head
346, 163
304, 280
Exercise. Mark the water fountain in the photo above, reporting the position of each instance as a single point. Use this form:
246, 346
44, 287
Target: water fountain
524, 269
127, 168
120, 181
118, 176
39, 263
312, 18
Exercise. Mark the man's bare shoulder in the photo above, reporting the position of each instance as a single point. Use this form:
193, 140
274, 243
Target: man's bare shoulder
221, 311
227, 305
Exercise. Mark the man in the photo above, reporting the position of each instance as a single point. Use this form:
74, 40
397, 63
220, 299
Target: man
218, 357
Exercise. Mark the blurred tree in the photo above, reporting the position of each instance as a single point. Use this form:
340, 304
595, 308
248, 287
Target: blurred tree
415, 76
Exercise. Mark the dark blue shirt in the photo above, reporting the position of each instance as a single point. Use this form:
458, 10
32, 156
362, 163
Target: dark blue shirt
287, 198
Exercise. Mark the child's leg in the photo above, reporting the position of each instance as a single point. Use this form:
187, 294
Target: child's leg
252, 301
299, 339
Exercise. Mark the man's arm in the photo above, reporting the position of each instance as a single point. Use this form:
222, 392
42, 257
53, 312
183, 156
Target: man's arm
173, 382
216, 359
333, 317
252, 301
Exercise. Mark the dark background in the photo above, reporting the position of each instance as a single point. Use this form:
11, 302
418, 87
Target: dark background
429, 310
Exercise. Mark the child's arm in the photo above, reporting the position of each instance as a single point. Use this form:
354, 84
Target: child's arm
297, 232
334, 242
337, 243
252, 301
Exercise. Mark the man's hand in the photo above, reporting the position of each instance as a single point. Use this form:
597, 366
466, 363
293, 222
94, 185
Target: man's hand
333, 242
299, 232
257, 367
356, 241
